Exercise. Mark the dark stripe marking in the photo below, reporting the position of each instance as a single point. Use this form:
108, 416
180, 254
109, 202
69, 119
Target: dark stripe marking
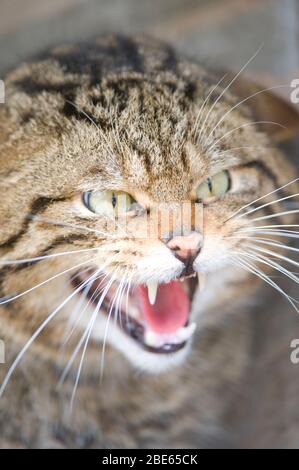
38, 206
263, 168
14, 268
31, 86
269, 210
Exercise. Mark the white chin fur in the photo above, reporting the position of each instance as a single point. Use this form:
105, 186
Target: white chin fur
140, 359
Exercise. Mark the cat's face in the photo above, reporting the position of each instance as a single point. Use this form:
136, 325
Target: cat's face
93, 168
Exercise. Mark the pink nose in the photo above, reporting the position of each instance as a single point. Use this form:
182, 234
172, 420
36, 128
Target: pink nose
186, 247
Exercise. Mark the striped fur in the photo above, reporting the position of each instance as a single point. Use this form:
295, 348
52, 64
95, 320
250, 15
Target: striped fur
120, 113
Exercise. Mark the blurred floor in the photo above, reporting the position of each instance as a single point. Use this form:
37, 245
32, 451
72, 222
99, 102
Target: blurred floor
225, 33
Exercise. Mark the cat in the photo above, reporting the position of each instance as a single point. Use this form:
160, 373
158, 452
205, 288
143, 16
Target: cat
148, 337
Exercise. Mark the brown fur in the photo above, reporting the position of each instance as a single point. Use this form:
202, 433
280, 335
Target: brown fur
120, 114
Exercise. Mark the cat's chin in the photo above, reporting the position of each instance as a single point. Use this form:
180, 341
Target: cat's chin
150, 324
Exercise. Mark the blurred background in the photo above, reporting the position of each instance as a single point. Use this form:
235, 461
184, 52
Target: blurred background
223, 33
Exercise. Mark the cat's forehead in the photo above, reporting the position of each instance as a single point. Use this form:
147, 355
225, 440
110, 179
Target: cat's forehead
162, 171
125, 113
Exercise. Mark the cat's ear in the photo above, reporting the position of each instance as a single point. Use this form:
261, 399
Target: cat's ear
267, 106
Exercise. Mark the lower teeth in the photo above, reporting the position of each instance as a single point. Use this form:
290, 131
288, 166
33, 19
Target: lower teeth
158, 340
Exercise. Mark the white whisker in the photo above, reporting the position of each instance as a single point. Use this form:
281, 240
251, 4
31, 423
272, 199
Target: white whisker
106, 329
275, 227
262, 259
51, 255
259, 273
231, 82
260, 198
241, 127
128, 292
17, 296
118, 304
75, 318
275, 232
89, 331
104, 276
241, 102
267, 204
295, 211
276, 255
68, 225
266, 241
83, 299
83, 337
109, 148
243, 148
35, 335
199, 114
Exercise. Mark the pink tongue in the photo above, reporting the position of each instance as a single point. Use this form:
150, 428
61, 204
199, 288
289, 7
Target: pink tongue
170, 310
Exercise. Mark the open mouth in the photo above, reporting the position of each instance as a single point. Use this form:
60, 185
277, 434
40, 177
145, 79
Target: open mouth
155, 315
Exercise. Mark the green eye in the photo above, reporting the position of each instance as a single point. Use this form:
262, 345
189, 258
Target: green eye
109, 203
215, 186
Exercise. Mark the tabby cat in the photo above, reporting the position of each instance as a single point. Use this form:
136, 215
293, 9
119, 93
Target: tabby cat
120, 330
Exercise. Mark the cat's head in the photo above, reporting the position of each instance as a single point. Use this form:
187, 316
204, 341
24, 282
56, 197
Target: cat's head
123, 173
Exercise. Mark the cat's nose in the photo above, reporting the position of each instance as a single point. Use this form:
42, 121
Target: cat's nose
186, 247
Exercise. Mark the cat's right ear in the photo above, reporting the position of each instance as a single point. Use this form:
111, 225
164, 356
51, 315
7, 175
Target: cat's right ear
266, 105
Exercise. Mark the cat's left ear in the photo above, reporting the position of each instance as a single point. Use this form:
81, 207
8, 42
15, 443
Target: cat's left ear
268, 106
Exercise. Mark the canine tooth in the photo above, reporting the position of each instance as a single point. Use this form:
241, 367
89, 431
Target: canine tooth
152, 288
202, 278
186, 332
